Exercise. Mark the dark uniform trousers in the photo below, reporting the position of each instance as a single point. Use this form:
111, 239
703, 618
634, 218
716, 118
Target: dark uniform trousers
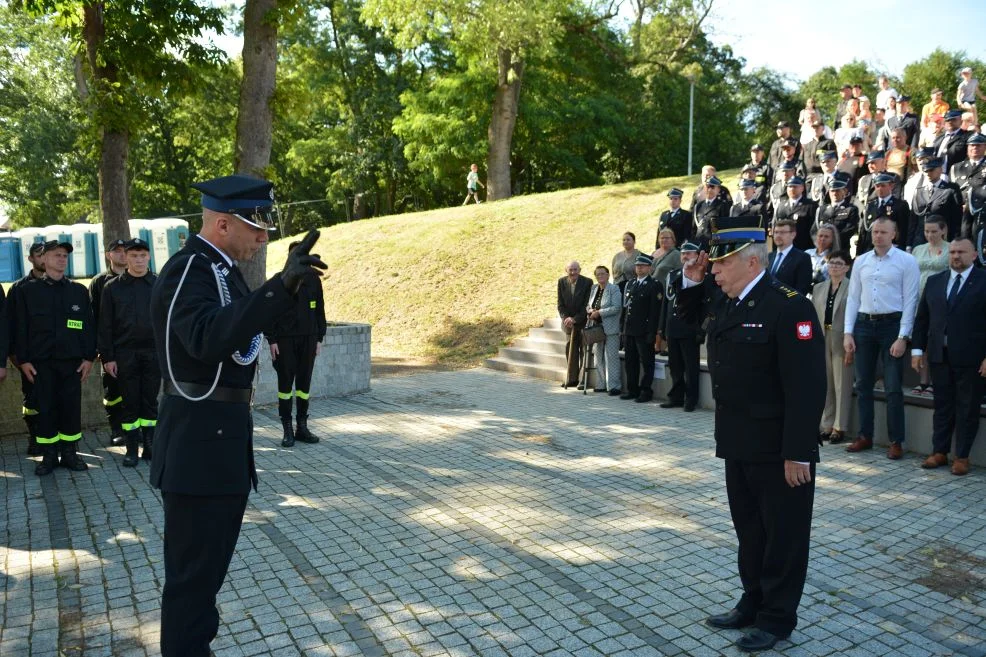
683, 361
140, 383
958, 394
638, 353
193, 574
112, 400
29, 407
58, 391
294, 364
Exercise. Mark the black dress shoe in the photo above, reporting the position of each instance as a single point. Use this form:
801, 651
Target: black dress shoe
732, 620
614, 392
689, 408
628, 395
757, 640
672, 404
599, 389
644, 397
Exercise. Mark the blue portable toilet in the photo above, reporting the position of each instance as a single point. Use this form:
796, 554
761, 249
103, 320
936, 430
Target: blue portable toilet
170, 235
82, 256
94, 252
10, 258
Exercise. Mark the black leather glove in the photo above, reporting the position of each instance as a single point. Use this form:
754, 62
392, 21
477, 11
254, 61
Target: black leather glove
300, 262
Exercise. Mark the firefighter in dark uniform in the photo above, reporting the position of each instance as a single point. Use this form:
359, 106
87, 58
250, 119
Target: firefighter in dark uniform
840, 212
817, 184
778, 191
126, 347
876, 162
684, 338
970, 176
208, 332
766, 356
764, 172
29, 405
676, 218
791, 152
707, 212
295, 341
885, 204
935, 197
749, 172
800, 209
642, 301
56, 345
749, 205
116, 263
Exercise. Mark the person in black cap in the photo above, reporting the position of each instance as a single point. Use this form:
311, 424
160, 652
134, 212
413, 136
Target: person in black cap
853, 163
676, 218
700, 193
970, 176
764, 172
766, 355
935, 197
800, 209
642, 300
707, 212
29, 406
906, 120
884, 204
208, 329
126, 347
116, 264
876, 163
295, 341
816, 147
779, 190
817, 184
776, 155
749, 204
56, 345
841, 212
791, 153
684, 338
951, 146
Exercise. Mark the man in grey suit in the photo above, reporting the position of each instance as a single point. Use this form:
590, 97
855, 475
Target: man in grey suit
605, 306
573, 297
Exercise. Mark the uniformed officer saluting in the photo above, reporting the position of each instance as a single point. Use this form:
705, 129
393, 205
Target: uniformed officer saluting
295, 340
126, 347
766, 356
55, 346
116, 264
208, 330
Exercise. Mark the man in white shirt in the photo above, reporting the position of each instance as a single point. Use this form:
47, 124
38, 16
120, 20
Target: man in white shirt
949, 339
883, 296
886, 92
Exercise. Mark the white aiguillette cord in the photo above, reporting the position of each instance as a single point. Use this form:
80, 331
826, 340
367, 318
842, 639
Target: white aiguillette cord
224, 299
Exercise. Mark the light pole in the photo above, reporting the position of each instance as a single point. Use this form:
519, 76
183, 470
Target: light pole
691, 119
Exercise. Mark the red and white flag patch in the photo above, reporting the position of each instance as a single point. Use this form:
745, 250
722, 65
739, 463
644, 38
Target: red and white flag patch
804, 330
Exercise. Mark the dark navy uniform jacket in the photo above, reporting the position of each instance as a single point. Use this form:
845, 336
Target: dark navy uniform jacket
96, 286
643, 301
767, 361
206, 447
125, 315
54, 321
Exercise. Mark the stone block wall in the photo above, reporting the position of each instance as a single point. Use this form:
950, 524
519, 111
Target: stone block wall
343, 368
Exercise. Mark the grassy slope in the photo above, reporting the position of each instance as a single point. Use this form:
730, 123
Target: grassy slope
450, 286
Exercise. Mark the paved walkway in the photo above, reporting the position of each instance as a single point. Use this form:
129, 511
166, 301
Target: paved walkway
462, 513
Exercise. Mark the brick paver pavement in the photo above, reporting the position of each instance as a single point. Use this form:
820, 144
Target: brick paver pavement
465, 513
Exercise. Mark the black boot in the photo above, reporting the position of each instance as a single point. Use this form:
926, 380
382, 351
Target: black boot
147, 443
49, 460
288, 440
70, 457
132, 438
303, 434
33, 447
117, 436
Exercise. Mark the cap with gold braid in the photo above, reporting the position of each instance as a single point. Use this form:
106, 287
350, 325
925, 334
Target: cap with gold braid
732, 234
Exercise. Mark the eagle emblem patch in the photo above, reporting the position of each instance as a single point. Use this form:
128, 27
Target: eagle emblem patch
804, 330
75, 309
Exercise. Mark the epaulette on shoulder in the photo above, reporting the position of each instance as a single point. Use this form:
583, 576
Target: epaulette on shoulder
783, 289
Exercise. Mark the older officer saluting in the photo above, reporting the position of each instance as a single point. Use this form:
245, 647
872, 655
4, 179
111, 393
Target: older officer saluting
767, 359
207, 331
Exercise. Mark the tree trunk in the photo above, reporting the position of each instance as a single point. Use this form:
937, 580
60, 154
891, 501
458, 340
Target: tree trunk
501, 133
114, 187
255, 120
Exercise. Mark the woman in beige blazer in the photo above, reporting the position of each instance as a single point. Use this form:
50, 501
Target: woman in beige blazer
829, 298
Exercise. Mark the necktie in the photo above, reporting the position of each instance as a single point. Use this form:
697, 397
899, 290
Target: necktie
777, 262
955, 289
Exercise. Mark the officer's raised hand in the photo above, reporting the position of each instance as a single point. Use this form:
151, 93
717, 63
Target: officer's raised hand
695, 270
300, 261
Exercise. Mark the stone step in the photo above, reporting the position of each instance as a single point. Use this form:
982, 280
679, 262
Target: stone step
552, 322
547, 334
540, 344
534, 357
505, 364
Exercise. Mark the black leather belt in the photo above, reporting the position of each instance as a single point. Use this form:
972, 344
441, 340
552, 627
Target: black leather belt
877, 318
220, 394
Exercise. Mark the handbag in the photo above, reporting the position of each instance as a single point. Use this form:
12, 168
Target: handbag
593, 334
